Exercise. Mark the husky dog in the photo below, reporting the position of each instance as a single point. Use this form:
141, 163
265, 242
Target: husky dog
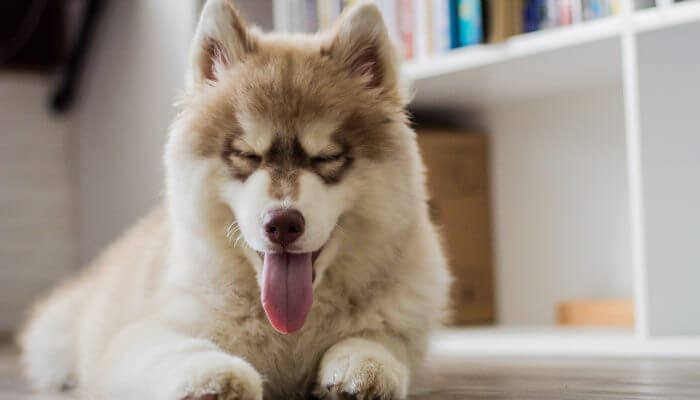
293, 256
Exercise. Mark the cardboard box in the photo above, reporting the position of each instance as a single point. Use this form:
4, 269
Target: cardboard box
458, 183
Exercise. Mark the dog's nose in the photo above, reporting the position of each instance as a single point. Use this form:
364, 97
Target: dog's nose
283, 226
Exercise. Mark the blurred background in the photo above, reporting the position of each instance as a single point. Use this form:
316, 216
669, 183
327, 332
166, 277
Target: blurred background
561, 138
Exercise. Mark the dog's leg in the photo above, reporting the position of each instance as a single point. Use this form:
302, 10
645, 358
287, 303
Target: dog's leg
149, 360
360, 368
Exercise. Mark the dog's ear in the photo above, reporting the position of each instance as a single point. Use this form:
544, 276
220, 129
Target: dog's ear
361, 42
222, 39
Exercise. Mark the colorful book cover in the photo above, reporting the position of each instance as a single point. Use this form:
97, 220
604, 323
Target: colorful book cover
440, 25
470, 28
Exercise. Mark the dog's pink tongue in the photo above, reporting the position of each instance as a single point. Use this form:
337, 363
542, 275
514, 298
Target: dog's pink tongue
286, 289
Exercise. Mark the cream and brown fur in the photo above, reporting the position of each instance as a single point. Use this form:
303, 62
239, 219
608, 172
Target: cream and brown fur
172, 310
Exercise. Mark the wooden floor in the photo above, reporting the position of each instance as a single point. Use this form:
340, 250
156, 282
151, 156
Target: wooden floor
504, 379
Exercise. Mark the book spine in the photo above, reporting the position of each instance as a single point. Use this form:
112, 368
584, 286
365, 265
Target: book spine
593, 9
406, 27
441, 26
517, 17
576, 11
324, 15
420, 24
454, 24
295, 15
311, 17
281, 15
597, 8
470, 24
429, 30
550, 17
532, 15
615, 7
565, 12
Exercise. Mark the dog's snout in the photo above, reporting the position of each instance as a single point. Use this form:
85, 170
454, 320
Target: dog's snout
284, 226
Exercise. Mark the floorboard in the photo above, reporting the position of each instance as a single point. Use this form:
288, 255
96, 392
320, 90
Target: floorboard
502, 379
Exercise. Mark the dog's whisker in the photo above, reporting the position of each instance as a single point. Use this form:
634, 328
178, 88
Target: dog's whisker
238, 239
233, 230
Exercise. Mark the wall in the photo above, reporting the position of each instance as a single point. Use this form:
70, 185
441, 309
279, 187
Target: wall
134, 71
36, 229
560, 202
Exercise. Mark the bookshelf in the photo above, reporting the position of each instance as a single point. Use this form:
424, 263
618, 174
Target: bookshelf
622, 85
594, 140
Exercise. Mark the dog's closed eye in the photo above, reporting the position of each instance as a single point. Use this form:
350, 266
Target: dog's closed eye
328, 158
330, 166
246, 155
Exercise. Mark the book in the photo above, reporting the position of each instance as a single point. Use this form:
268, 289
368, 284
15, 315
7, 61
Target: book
406, 27
503, 19
565, 12
296, 15
576, 11
310, 16
440, 26
281, 15
518, 20
550, 14
533, 15
421, 25
470, 26
454, 24
593, 9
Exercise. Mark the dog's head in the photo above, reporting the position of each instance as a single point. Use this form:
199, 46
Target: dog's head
283, 137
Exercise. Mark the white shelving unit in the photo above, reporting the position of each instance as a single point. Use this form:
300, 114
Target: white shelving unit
595, 132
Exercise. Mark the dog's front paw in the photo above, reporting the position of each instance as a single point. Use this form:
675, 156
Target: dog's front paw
222, 378
356, 370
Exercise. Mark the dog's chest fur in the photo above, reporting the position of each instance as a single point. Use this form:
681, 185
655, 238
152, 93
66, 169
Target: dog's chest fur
289, 363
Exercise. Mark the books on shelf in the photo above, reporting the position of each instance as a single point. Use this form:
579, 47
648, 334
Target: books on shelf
423, 28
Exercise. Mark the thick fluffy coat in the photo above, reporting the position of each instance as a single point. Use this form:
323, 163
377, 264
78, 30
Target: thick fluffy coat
172, 310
